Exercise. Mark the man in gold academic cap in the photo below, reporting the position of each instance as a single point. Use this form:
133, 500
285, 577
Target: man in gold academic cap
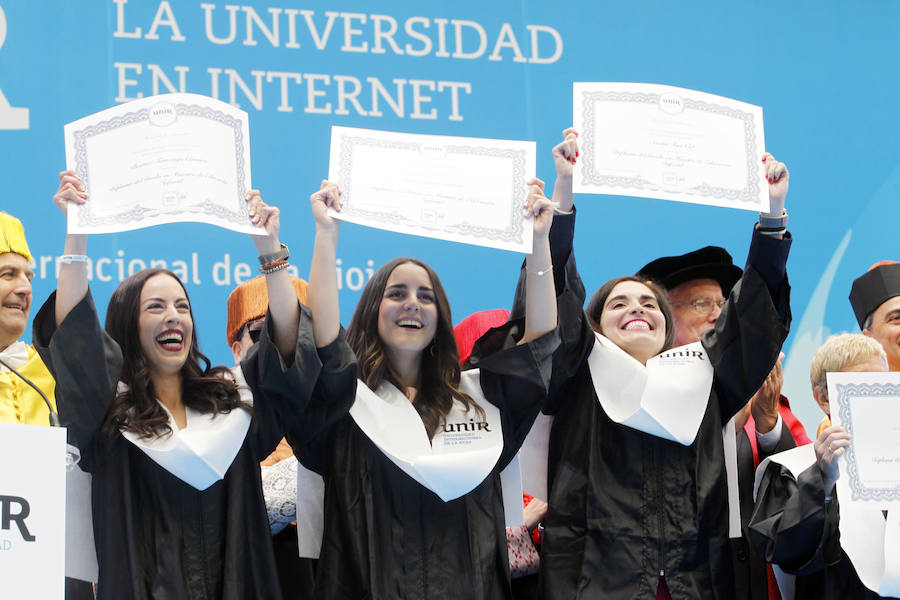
19, 403
875, 298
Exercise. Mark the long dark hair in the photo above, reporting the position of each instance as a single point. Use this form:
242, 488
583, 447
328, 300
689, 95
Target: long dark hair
204, 388
598, 301
440, 360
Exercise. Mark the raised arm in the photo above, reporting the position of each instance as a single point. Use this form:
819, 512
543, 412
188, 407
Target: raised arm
322, 296
283, 308
72, 285
565, 156
540, 293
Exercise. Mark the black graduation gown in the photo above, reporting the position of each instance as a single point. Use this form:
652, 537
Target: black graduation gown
386, 536
792, 526
624, 506
751, 580
156, 536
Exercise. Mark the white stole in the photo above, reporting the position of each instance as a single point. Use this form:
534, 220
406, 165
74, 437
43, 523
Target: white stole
201, 453
454, 462
870, 542
666, 398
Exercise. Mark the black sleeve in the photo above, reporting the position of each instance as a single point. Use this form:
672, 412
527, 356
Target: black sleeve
514, 378
754, 323
281, 391
311, 435
792, 526
575, 333
86, 364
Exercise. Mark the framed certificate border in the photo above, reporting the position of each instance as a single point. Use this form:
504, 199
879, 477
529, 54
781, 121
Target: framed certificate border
846, 391
84, 216
514, 234
746, 197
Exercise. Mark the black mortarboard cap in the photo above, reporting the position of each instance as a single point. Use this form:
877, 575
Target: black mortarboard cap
711, 262
882, 282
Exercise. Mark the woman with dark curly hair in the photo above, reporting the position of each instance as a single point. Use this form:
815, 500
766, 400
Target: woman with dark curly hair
173, 444
413, 505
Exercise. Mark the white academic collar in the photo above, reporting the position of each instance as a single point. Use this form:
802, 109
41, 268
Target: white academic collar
16, 354
201, 453
666, 398
458, 458
871, 542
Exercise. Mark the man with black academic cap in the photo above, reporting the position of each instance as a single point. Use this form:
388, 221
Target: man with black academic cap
698, 283
875, 298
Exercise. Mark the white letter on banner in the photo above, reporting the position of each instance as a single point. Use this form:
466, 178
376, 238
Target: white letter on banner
292, 27
419, 99
120, 22
319, 40
235, 80
285, 106
160, 77
388, 35
344, 95
454, 86
482, 39
426, 41
535, 55
253, 17
214, 73
349, 32
442, 38
312, 93
124, 82
379, 90
507, 39
169, 21
232, 23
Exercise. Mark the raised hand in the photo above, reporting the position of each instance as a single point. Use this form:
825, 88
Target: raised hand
267, 217
778, 177
829, 447
538, 206
327, 196
70, 190
764, 403
565, 156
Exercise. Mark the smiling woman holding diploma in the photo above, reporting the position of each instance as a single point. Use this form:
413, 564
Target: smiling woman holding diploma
174, 445
638, 499
413, 502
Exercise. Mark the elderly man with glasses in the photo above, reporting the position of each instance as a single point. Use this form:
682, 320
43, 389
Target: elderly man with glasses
698, 284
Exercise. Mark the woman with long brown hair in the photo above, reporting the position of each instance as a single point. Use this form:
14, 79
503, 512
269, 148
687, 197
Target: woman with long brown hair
413, 506
173, 444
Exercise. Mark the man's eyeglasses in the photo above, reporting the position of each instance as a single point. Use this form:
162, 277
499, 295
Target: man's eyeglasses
704, 305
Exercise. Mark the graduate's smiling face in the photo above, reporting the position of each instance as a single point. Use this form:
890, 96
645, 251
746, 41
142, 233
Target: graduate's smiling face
633, 320
165, 326
15, 297
408, 314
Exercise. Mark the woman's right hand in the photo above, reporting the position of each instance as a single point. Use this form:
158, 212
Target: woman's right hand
565, 156
328, 196
70, 190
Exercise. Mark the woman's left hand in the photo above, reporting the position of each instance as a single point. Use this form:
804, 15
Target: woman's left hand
268, 217
538, 206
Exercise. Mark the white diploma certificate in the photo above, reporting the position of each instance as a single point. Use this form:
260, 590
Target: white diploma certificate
658, 141
867, 406
162, 159
459, 189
